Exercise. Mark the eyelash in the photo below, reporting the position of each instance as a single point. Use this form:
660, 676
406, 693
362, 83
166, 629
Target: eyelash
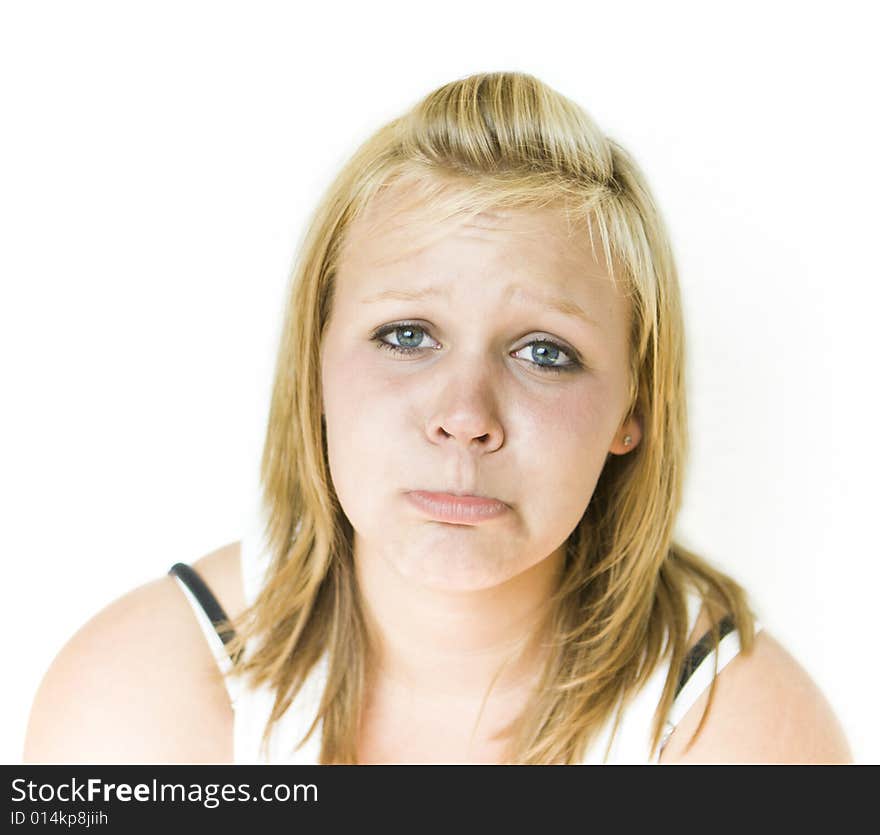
573, 365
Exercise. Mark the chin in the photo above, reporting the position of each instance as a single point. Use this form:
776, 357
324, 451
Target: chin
458, 572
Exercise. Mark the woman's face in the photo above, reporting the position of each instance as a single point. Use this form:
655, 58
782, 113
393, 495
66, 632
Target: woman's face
504, 392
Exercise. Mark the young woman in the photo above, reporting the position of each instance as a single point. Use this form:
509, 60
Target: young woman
471, 475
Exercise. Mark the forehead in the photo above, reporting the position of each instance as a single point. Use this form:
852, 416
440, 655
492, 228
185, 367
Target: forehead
400, 236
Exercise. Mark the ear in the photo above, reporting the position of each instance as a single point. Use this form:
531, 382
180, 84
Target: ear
633, 428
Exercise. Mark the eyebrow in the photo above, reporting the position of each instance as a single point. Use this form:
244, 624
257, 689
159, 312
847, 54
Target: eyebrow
564, 306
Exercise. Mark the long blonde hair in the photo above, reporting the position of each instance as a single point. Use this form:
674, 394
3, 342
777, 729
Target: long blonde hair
494, 140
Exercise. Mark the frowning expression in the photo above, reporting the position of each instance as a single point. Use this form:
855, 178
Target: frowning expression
490, 361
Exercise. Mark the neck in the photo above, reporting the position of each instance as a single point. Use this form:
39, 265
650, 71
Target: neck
441, 645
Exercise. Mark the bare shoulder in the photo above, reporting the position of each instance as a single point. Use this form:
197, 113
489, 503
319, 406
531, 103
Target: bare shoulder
221, 570
766, 709
137, 683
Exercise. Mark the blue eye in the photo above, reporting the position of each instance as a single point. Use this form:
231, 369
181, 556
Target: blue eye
410, 336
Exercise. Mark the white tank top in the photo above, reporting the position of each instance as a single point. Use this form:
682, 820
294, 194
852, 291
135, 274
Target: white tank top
252, 707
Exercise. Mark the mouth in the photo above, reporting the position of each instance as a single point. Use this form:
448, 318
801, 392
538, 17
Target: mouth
456, 508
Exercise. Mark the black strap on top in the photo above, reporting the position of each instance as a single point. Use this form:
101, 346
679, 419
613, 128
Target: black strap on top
700, 650
207, 601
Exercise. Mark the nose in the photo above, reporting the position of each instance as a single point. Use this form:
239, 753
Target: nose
465, 415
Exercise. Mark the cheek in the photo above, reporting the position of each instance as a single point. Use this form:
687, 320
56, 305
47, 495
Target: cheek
338, 376
356, 396
361, 422
572, 424
563, 446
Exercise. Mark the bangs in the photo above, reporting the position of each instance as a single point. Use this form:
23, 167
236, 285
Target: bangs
416, 205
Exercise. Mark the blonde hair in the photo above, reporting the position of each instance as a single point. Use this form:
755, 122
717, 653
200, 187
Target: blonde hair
493, 141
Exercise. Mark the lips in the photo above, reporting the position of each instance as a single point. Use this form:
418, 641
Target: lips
459, 510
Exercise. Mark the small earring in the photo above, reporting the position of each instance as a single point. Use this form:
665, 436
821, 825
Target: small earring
627, 440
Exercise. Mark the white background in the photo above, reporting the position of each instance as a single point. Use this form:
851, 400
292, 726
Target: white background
158, 162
